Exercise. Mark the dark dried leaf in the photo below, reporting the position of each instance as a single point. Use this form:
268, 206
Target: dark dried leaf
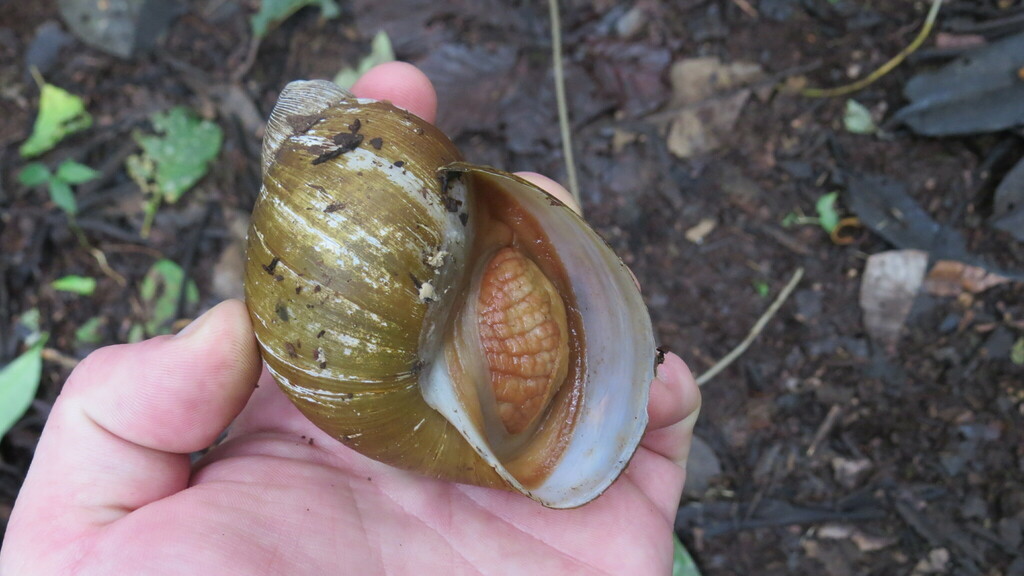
980, 92
1008, 215
470, 81
884, 206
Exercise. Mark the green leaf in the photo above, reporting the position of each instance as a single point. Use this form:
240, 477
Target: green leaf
74, 173
34, 174
857, 118
380, 52
181, 152
1017, 352
91, 332
273, 12
62, 196
682, 562
136, 334
19, 381
160, 291
82, 285
60, 114
762, 288
827, 215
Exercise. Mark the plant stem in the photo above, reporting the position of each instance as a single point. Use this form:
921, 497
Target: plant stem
884, 69
563, 109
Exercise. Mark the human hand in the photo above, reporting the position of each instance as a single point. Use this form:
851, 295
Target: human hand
111, 489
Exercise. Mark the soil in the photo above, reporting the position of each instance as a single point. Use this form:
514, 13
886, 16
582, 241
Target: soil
838, 455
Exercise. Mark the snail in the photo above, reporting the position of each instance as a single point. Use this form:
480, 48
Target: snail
437, 316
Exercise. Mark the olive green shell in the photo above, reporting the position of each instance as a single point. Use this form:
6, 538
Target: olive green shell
348, 313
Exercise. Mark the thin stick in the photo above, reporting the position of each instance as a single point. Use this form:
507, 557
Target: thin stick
824, 429
101, 259
929, 22
747, 8
58, 357
754, 332
563, 109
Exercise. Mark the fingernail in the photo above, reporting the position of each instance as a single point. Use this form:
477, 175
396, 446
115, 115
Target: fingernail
195, 324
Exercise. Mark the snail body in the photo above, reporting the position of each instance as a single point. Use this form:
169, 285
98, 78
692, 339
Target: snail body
441, 317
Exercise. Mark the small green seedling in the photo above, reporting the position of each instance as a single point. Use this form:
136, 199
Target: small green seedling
174, 159
61, 114
380, 52
828, 216
273, 12
69, 173
81, 285
762, 288
19, 380
857, 118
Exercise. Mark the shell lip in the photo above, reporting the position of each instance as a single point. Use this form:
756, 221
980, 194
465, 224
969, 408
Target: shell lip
620, 366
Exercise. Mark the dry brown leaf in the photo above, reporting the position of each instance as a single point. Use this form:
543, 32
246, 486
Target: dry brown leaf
951, 278
699, 128
701, 230
708, 96
697, 79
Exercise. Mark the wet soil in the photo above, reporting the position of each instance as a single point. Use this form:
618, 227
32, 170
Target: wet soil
837, 455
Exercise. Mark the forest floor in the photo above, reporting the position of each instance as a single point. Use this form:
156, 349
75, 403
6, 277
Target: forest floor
834, 445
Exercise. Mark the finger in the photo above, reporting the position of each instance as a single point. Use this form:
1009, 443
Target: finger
119, 436
403, 85
672, 411
552, 187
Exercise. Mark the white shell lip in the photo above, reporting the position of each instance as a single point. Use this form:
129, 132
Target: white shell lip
620, 358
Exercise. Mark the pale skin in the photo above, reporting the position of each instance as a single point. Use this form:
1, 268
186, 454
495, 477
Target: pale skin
111, 489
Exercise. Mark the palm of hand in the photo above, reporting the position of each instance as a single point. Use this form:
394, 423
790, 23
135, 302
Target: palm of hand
269, 502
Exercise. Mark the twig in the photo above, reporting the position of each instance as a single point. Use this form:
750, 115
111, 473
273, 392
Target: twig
563, 109
884, 69
747, 8
754, 332
58, 357
101, 259
785, 240
824, 429
250, 58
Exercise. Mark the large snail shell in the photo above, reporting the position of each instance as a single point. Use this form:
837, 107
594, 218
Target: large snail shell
374, 254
